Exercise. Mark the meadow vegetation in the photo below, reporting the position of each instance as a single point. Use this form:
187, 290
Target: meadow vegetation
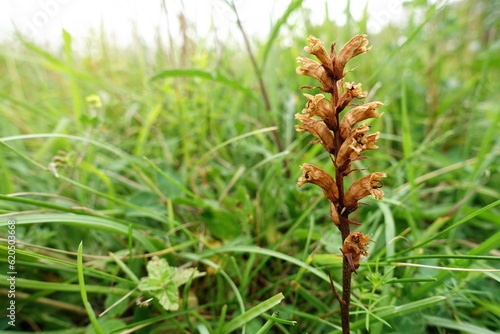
113, 157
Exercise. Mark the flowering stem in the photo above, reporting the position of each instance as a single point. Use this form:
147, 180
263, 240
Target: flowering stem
344, 141
343, 226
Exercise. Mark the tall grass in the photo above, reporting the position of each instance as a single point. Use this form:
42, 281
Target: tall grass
185, 161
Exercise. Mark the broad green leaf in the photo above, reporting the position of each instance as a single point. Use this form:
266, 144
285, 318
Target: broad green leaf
150, 284
157, 268
169, 297
180, 277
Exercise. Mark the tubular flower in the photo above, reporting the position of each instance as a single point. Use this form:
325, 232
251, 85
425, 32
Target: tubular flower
367, 185
317, 105
358, 114
357, 142
316, 48
351, 92
356, 46
315, 70
354, 246
318, 129
317, 176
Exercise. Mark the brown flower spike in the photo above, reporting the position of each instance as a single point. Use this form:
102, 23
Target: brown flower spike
345, 142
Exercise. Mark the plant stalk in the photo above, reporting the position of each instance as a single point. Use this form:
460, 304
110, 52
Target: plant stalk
343, 227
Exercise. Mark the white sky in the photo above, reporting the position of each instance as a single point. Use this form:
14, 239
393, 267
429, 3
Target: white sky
43, 20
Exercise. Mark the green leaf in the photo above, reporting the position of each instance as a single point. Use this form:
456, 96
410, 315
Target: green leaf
163, 282
107, 325
157, 268
180, 277
150, 284
169, 297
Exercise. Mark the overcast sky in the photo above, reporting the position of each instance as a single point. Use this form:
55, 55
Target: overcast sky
43, 20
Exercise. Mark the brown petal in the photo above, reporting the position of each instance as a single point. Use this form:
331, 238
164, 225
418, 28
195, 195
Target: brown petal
317, 105
356, 45
367, 185
334, 215
358, 114
317, 176
357, 142
351, 92
318, 129
337, 219
354, 246
316, 48
315, 70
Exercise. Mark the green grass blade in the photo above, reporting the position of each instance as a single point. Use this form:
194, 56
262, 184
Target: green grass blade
402, 310
294, 5
456, 325
206, 75
75, 89
83, 292
82, 221
146, 128
252, 313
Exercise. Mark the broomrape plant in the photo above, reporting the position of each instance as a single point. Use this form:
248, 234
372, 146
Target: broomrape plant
344, 142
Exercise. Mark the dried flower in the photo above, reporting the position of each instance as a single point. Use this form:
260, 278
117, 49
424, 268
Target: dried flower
358, 114
317, 176
317, 105
358, 141
356, 46
316, 48
367, 185
354, 246
352, 91
315, 70
318, 129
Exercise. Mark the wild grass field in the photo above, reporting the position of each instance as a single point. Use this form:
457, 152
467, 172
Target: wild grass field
115, 157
